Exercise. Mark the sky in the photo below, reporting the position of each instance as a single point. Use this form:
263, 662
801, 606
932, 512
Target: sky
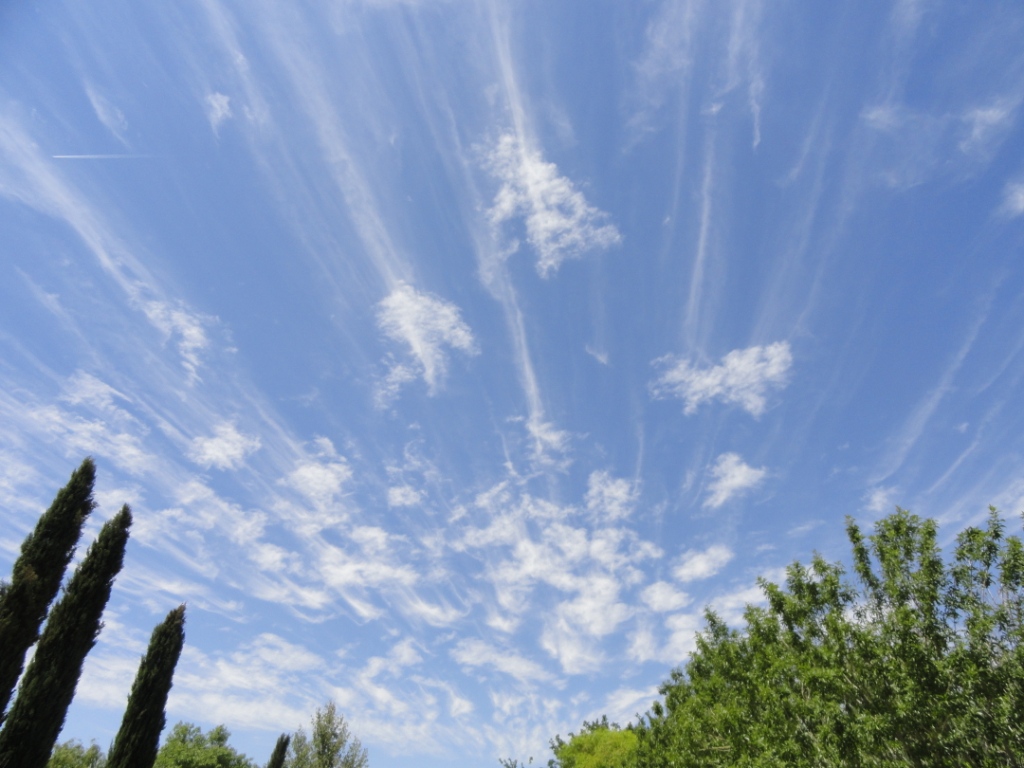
455, 355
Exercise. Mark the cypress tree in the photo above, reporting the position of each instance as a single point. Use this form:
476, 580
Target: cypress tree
46, 690
37, 575
280, 751
138, 739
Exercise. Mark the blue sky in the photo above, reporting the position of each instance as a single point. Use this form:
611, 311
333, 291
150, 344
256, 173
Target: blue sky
454, 355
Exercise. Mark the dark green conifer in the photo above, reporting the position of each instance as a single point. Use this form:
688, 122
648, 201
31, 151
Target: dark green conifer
138, 739
280, 751
37, 575
46, 689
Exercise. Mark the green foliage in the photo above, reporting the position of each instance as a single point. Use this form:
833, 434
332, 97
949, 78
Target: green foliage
38, 572
73, 754
277, 757
916, 663
188, 747
49, 683
135, 745
599, 744
330, 744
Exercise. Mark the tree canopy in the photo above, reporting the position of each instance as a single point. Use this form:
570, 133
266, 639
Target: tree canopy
330, 743
38, 572
188, 747
74, 754
913, 661
599, 744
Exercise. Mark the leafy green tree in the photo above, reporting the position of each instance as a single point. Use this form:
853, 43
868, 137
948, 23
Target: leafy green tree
135, 745
330, 745
73, 754
914, 663
49, 683
38, 572
599, 744
188, 747
280, 752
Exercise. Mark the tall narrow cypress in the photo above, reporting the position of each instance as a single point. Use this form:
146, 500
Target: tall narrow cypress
138, 739
38, 572
46, 690
280, 751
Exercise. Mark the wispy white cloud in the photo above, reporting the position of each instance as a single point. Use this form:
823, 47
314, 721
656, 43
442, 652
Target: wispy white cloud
984, 127
609, 498
1013, 199
730, 477
914, 144
623, 704
83, 388
560, 223
226, 448
903, 440
743, 58
473, 652
428, 326
218, 109
695, 564
29, 178
248, 686
185, 327
122, 443
599, 355
667, 59
744, 377
112, 118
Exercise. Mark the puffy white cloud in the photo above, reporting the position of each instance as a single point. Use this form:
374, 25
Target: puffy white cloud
731, 476
695, 565
225, 449
683, 638
575, 651
881, 499
560, 223
320, 479
663, 597
743, 377
731, 606
403, 496
428, 325
609, 498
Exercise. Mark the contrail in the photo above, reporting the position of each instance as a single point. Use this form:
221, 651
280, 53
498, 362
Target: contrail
98, 157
